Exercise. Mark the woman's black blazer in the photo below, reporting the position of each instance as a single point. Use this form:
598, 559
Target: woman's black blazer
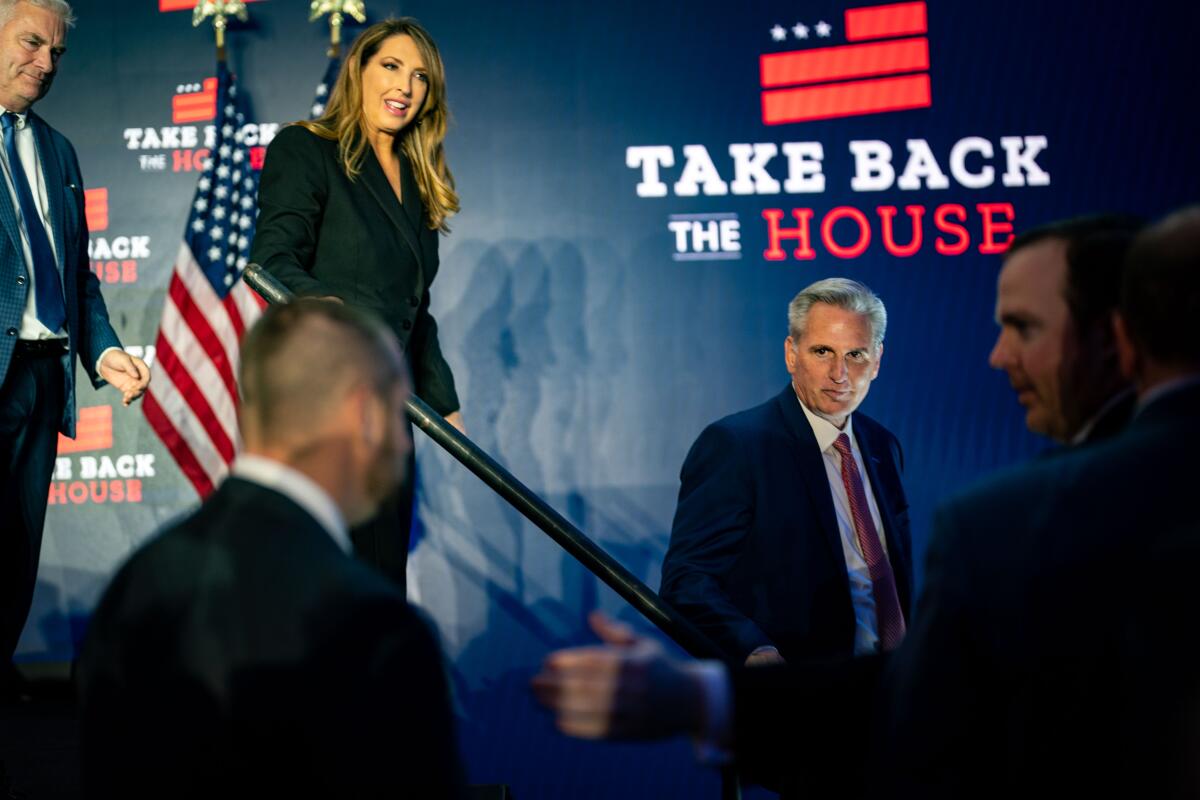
320, 233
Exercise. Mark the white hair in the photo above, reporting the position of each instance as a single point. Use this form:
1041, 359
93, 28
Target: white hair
841, 293
61, 8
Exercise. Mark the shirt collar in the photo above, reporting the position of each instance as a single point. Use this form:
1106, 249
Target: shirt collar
1081, 436
299, 488
22, 116
825, 431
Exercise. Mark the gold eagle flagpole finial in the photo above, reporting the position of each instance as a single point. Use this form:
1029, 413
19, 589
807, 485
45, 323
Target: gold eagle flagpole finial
219, 10
337, 11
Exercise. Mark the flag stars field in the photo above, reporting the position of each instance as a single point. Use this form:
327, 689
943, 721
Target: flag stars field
799, 31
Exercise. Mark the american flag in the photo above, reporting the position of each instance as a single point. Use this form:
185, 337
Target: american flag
325, 87
192, 400
876, 61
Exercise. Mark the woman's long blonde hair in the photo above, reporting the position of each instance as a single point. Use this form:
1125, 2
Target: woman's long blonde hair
421, 140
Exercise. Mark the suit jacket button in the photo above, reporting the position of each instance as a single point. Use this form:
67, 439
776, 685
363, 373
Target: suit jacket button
407, 324
20, 280
414, 301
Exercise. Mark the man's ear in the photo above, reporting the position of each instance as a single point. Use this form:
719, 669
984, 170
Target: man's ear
1127, 354
369, 413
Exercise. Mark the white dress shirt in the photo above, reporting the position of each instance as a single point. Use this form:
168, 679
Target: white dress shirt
299, 488
31, 326
866, 628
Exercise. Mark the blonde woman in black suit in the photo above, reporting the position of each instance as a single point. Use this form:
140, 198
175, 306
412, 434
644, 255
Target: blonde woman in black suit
350, 207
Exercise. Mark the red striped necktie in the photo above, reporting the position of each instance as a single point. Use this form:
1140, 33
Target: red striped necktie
888, 615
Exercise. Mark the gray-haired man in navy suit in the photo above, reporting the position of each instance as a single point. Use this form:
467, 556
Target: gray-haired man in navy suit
50, 304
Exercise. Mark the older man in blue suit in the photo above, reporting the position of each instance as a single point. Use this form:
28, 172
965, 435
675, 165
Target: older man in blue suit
50, 304
791, 536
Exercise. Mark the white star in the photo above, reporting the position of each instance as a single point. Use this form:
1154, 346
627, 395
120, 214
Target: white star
204, 184
223, 150
233, 236
318, 109
229, 279
247, 202
218, 212
229, 259
241, 262
229, 109
778, 33
249, 184
220, 192
322, 90
216, 232
800, 31
223, 171
198, 225
824, 28
243, 243
238, 156
200, 204
233, 91
214, 253
227, 130
244, 223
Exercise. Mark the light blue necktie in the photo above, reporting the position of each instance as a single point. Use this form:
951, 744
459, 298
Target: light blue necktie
46, 282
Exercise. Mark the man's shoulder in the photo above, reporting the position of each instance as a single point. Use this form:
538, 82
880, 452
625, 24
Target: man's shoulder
761, 418
872, 427
57, 138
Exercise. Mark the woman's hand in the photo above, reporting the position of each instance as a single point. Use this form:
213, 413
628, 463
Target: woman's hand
455, 418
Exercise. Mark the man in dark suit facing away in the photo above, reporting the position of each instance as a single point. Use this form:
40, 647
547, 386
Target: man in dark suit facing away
245, 650
791, 535
1054, 651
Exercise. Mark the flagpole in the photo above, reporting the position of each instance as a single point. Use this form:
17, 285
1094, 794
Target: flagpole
337, 11
220, 11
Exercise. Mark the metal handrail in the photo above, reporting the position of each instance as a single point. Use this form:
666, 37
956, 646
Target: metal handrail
533, 507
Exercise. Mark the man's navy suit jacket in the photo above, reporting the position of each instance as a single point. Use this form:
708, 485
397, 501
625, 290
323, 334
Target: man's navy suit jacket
88, 330
755, 556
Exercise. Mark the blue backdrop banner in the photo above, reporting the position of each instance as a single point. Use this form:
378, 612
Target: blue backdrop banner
645, 185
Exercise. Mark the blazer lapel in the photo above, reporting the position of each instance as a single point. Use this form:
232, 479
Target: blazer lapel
53, 178
377, 183
811, 466
899, 556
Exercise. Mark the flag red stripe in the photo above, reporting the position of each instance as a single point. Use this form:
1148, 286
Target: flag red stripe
95, 208
841, 63
845, 99
194, 317
187, 388
182, 5
207, 97
235, 317
93, 431
200, 115
176, 444
878, 22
